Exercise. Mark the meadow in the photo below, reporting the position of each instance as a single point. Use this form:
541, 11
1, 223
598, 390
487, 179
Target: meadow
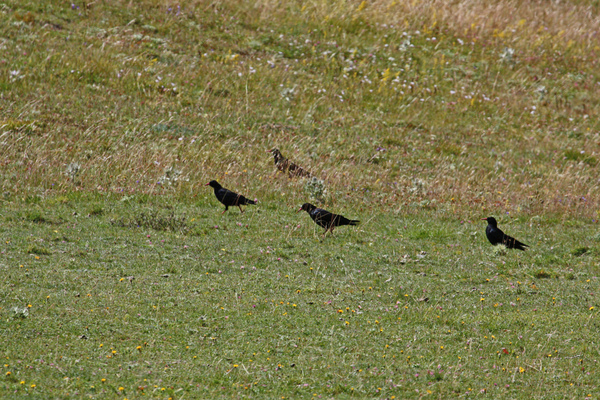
123, 280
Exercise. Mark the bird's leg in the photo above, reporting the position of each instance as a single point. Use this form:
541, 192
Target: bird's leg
241, 208
226, 208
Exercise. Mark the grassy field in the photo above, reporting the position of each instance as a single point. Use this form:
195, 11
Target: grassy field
122, 279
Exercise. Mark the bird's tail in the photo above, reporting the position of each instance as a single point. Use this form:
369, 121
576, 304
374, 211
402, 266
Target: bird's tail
244, 201
513, 243
354, 222
521, 246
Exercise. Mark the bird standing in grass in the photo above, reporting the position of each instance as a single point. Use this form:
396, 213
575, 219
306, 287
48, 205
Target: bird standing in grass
326, 219
229, 198
285, 165
496, 236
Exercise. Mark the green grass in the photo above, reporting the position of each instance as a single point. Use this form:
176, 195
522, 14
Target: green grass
121, 278
261, 305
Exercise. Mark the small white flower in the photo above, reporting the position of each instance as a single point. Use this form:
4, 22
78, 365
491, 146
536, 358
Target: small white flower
507, 54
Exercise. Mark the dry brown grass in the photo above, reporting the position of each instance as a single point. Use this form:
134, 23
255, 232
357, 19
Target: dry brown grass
167, 89
518, 22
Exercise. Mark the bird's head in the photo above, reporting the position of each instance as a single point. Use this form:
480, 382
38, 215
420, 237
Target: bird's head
307, 207
214, 184
490, 220
276, 153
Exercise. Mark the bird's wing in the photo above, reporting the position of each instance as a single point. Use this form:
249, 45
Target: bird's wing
495, 235
322, 217
296, 170
228, 197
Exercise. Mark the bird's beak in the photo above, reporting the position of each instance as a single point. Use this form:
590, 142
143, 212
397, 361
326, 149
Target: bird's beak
269, 151
207, 184
484, 219
299, 210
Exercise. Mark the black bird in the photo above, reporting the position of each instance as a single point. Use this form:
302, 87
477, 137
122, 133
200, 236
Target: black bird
285, 165
229, 198
496, 236
326, 219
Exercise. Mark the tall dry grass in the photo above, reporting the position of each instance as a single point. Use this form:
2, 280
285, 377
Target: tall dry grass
520, 23
453, 123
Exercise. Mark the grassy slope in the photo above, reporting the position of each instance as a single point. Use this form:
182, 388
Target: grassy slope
411, 113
